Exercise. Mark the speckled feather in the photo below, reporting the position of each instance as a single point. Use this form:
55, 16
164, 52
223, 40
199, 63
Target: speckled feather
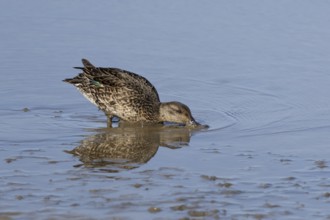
118, 92
128, 96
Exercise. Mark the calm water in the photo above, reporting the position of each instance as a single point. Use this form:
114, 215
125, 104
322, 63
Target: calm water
257, 72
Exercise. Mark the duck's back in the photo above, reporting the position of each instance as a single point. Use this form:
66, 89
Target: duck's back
117, 92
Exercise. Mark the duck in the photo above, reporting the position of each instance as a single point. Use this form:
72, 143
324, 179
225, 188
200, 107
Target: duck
127, 96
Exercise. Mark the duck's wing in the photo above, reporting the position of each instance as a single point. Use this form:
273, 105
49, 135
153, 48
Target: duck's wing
112, 89
115, 77
112, 77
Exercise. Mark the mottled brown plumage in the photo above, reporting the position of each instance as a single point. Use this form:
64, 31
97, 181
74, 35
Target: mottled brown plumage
128, 96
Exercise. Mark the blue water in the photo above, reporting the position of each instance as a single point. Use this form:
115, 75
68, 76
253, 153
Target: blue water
257, 72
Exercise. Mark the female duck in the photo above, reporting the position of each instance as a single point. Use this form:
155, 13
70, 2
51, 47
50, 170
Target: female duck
128, 96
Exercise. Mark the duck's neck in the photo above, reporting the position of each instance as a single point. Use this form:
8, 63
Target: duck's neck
162, 112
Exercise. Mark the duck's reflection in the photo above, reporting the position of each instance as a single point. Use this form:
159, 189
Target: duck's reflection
127, 147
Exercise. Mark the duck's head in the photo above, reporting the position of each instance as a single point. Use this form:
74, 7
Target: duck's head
176, 112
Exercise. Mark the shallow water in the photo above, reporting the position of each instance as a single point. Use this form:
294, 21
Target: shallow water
256, 72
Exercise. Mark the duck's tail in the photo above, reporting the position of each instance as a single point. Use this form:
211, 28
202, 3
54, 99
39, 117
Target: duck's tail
81, 78
86, 64
73, 80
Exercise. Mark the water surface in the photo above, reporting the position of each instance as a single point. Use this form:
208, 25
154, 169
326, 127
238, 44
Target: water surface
256, 72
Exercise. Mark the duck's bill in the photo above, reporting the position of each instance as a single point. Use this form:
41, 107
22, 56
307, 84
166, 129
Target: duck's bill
195, 124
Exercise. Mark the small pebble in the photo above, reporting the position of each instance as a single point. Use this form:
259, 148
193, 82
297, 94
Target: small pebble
326, 195
19, 197
25, 109
154, 209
